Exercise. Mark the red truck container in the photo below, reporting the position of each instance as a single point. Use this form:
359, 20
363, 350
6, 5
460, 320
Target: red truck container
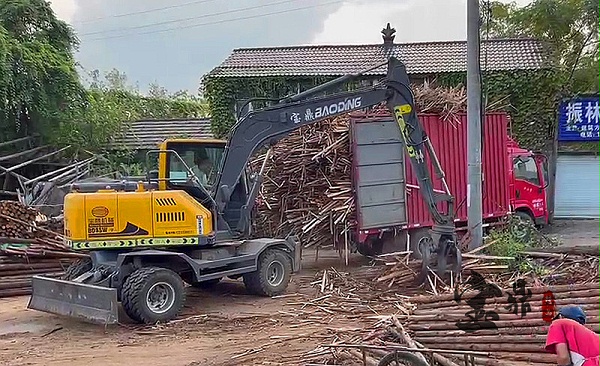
390, 211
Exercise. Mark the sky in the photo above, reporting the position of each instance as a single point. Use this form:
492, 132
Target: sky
174, 42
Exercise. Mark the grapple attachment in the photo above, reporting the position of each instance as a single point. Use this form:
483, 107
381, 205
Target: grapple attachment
74, 299
445, 249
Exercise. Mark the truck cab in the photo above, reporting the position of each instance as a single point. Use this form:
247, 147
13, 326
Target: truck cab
528, 184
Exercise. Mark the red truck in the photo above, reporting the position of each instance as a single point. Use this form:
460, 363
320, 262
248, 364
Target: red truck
390, 212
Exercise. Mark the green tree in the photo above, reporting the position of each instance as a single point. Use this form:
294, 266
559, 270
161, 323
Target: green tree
568, 27
112, 102
39, 84
157, 91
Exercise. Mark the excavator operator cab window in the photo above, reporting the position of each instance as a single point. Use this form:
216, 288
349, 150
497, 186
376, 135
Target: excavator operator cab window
203, 159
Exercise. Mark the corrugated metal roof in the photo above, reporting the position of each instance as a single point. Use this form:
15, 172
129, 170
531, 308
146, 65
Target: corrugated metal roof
420, 58
148, 134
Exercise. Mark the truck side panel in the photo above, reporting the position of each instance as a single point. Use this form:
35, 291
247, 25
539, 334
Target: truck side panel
449, 139
378, 165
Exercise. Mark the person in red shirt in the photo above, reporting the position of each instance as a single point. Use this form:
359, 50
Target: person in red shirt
572, 342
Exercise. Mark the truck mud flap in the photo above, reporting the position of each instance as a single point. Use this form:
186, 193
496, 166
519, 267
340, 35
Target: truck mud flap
73, 299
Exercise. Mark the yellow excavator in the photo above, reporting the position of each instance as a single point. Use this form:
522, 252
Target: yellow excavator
190, 221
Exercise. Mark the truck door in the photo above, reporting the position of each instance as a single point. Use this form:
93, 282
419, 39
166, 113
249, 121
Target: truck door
530, 187
543, 168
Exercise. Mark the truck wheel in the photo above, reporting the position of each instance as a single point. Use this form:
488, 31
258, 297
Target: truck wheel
77, 268
272, 276
152, 294
419, 238
521, 228
401, 358
371, 247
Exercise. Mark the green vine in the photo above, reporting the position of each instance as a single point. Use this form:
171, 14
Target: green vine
532, 95
223, 93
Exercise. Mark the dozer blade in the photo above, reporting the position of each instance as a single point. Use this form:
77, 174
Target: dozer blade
78, 300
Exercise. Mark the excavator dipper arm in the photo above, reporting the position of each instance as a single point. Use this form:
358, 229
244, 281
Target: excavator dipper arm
266, 126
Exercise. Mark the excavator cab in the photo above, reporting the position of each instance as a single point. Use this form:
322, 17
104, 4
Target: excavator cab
193, 166
180, 161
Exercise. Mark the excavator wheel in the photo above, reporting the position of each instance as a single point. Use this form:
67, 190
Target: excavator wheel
152, 294
77, 268
272, 276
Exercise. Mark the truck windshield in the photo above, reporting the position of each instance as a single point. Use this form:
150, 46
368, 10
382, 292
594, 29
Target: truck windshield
525, 168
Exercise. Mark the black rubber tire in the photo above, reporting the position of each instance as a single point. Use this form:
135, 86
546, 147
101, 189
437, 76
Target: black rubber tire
525, 217
416, 235
136, 287
77, 268
371, 247
404, 357
258, 283
527, 222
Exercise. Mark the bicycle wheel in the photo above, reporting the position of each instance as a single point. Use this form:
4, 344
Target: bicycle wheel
401, 358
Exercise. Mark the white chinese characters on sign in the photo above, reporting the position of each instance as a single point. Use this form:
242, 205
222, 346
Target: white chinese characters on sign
591, 112
574, 112
295, 118
584, 118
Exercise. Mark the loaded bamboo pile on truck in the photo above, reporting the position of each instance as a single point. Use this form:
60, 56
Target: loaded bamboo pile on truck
345, 181
193, 223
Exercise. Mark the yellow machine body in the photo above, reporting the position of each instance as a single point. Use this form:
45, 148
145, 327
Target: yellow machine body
114, 219
163, 217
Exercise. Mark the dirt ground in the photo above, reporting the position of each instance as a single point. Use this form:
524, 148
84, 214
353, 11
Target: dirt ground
575, 232
224, 326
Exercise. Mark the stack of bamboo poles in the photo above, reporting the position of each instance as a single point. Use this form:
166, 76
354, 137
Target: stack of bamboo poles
512, 338
28, 247
9, 210
307, 189
16, 272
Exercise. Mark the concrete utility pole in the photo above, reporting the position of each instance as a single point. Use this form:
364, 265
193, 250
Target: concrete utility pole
474, 204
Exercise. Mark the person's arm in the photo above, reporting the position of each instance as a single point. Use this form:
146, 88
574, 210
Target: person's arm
563, 358
556, 343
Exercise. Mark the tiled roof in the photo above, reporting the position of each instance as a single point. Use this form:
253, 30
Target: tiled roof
148, 134
420, 58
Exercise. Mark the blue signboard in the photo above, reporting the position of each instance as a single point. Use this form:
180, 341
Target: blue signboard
578, 119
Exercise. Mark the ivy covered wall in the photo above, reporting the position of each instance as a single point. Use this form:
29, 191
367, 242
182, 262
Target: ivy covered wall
531, 97
531, 94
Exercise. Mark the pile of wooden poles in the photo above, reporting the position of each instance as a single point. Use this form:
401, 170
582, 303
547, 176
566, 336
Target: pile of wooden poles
28, 247
438, 322
16, 219
307, 188
16, 272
